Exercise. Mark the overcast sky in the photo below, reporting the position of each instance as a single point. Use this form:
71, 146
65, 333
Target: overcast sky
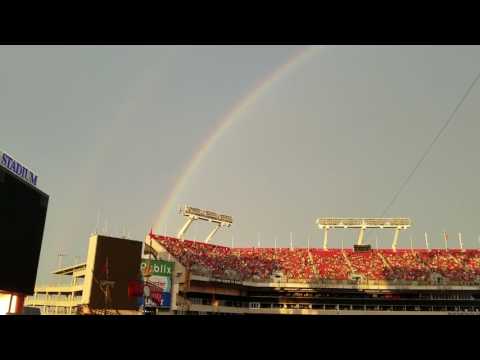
110, 128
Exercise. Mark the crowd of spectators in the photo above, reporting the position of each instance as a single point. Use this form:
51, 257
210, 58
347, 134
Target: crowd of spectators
453, 264
367, 263
330, 264
404, 265
334, 264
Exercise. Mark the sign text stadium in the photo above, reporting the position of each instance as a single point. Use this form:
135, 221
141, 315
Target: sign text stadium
17, 168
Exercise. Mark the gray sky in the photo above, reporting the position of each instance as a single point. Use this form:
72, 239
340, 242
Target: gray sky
110, 128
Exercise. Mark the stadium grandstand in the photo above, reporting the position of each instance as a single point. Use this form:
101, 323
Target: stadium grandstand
200, 277
219, 279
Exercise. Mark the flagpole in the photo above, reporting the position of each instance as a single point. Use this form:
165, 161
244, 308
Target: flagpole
426, 241
98, 222
446, 239
106, 287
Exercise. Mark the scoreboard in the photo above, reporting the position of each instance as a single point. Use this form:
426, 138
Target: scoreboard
23, 211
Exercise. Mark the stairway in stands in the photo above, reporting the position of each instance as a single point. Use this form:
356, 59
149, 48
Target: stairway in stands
312, 263
385, 261
423, 262
347, 260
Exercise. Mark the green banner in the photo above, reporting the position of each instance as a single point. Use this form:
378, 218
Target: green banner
157, 267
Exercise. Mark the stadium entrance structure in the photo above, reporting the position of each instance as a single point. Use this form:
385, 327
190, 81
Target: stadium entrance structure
363, 223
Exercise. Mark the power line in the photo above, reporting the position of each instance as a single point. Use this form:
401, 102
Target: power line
429, 148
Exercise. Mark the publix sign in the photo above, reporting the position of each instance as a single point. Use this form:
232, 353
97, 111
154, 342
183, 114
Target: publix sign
157, 267
18, 169
158, 273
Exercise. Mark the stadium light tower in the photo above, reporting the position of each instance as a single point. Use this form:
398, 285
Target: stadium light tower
362, 224
196, 214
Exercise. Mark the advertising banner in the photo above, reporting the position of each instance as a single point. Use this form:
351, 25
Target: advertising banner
157, 267
158, 273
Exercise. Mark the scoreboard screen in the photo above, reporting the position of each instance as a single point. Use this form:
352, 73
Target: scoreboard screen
23, 210
117, 260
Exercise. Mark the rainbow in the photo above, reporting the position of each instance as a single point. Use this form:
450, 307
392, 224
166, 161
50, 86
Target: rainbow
228, 120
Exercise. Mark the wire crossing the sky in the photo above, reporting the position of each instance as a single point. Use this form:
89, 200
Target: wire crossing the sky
429, 148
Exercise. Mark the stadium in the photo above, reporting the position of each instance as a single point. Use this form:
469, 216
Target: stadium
174, 275
215, 279
272, 134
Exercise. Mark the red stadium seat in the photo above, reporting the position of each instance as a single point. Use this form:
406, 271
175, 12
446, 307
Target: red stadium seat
334, 264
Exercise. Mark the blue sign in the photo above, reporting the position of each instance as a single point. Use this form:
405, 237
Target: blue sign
18, 169
166, 299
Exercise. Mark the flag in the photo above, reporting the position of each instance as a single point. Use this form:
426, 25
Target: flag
104, 269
